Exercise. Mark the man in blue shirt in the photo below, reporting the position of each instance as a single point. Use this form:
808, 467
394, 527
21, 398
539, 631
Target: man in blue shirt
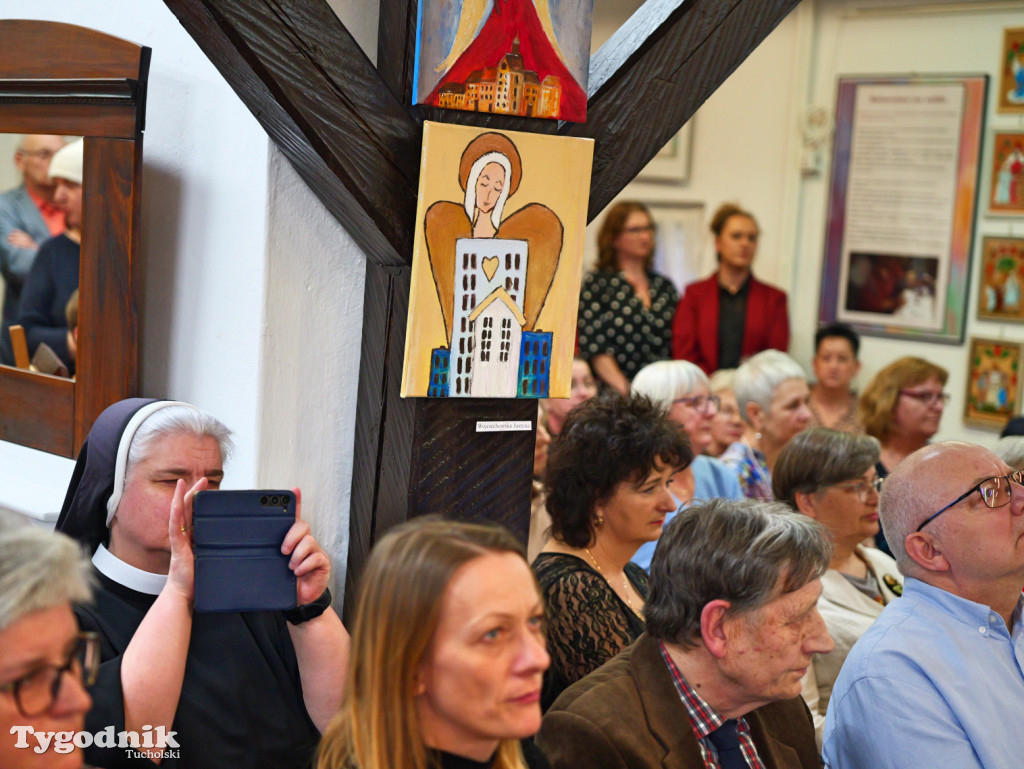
938, 680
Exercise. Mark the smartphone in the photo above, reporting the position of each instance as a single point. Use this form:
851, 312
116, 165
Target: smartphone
236, 538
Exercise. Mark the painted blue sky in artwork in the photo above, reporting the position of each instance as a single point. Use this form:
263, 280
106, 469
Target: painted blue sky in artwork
439, 21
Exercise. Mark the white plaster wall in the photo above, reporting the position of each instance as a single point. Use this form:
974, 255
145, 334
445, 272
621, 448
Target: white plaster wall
742, 149
854, 37
314, 314
203, 222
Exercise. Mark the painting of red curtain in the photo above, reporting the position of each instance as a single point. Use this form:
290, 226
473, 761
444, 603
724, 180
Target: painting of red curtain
515, 57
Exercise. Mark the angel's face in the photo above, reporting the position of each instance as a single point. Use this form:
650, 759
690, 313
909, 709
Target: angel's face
489, 187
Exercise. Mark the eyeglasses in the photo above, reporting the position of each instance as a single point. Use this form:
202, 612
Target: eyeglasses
995, 492
41, 154
638, 230
866, 490
35, 692
700, 402
927, 397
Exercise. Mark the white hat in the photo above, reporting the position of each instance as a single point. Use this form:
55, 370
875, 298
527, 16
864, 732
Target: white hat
67, 162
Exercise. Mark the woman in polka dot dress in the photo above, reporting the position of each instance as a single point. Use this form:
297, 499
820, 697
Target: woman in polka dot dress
626, 309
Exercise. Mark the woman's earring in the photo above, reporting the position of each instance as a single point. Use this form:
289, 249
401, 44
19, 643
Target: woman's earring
599, 521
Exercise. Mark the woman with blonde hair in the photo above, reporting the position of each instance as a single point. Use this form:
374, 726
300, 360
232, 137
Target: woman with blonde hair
447, 655
626, 309
728, 426
902, 408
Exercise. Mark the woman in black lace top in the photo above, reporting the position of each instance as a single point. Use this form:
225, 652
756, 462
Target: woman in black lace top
608, 477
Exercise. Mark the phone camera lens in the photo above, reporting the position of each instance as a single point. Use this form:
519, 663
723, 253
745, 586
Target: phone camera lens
273, 500
263, 501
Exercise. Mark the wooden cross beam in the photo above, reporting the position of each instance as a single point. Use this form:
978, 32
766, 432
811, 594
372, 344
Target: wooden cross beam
349, 130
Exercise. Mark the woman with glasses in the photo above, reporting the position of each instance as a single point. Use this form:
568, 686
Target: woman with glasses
43, 657
682, 389
728, 426
830, 476
902, 408
626, 309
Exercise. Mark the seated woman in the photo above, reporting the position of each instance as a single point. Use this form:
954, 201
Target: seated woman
681, 388
902, 408
730, 315
830, 476
447, 654
608, 483
727, 426
43, 657
833, 402
771, 390
583, 388
626, 309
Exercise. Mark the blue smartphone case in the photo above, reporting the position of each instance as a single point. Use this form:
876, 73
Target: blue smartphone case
236, 539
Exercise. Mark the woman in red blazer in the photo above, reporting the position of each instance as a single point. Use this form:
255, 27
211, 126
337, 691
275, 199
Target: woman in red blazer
755, 313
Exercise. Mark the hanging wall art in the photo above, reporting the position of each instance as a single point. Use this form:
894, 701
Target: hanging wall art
497, 260
512, 57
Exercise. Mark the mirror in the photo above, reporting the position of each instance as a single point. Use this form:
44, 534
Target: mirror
40, 244
71, 81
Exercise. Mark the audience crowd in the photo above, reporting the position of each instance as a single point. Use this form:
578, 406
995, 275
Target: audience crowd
707, 584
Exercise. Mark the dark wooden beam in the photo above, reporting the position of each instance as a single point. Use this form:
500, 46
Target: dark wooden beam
384, 421
396, 47
351, 133
655, 72
305, 78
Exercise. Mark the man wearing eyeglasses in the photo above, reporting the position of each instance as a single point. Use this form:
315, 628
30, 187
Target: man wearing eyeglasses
43, 657
28, 216
938, 680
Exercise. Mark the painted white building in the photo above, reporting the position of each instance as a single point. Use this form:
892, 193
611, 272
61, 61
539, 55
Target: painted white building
497, 325
481, 266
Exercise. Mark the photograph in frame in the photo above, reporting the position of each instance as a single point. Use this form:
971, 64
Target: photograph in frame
1001, 279
1006, 177
672, 163
1011, 72
993, 381
899, 235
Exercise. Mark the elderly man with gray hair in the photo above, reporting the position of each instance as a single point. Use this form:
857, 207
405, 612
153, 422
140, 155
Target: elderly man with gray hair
43, 657
732, 622
940, 675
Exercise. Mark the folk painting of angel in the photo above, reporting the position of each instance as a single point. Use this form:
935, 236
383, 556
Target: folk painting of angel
497, 260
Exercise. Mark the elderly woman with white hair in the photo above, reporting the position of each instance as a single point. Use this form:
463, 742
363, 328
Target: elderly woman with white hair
43, 656
682, 389
772, 394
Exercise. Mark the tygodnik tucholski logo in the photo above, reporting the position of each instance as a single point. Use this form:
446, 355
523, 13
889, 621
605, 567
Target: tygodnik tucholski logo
147, 744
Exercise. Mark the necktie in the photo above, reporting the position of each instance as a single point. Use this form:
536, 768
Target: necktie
727, 743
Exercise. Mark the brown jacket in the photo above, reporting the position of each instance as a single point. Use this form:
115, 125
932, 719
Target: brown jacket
628, 715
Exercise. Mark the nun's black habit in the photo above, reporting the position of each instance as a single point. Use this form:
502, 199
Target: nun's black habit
241, 701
